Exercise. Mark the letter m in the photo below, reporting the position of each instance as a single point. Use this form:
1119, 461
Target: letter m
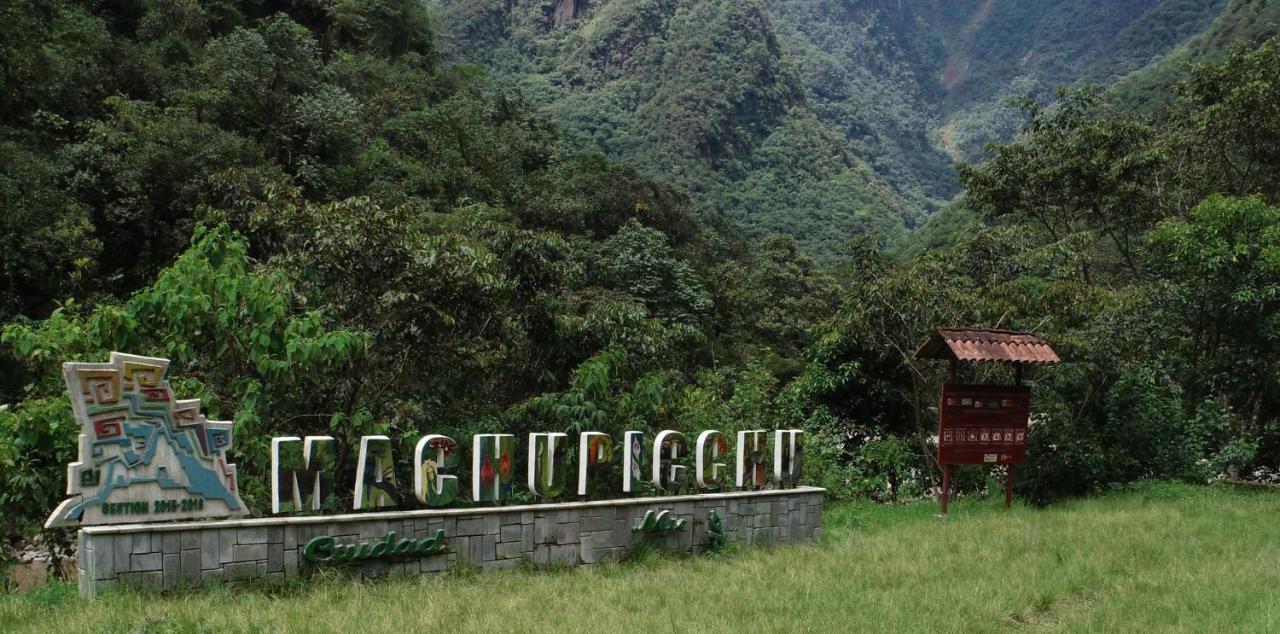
302, 473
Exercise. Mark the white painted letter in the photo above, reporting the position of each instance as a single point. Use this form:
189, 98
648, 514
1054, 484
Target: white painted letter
492, 467
667, 475
546, 455
707, 450
301, 473
375, 474
594, 449
632, 461
752, 449
432, 484
788, 457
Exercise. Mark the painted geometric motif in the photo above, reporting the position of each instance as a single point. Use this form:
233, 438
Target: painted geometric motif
144, 456
632, 461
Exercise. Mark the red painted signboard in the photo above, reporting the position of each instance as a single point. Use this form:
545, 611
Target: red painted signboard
983, 424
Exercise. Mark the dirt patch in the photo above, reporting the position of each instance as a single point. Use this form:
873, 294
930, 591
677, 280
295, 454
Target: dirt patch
957, 63
1049, 610
37, 573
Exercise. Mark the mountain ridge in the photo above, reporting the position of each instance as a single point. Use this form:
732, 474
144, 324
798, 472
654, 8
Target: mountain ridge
714, 95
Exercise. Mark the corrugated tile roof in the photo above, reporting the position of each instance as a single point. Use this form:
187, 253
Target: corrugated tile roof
979, 344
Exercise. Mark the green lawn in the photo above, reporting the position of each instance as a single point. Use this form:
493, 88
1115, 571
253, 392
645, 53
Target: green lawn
1158, 558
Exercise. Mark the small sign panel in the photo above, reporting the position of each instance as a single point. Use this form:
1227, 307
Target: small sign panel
983, 424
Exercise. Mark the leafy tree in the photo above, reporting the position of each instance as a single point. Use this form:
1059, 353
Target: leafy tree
1222, 264
236, 340
639, 261
1230, 112
1072, 170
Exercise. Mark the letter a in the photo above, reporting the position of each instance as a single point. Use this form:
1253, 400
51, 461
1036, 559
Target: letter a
376, 474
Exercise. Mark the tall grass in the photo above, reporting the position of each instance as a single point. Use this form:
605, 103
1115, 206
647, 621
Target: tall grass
1155, 558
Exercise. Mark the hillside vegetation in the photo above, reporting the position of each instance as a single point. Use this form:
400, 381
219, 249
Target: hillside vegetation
1241, 23
820, 119
701, 94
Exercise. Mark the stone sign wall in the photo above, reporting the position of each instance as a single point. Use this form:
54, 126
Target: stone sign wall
168, 556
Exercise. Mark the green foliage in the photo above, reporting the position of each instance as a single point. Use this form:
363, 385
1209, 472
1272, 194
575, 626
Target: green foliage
1146, 432
876, 91
1240, 22
823, 120
639, 261
1183, 343
887, 464
330, 234
1096, 173
235, 338
1083, 232
47, 245
703, 94
1222, 265
380, 245
1231, 111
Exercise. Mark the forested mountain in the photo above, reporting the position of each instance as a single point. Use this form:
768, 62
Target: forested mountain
701, 93
332, 227
821, 119
1242, 23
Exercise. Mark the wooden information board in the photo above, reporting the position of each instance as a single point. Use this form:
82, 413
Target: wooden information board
983, 424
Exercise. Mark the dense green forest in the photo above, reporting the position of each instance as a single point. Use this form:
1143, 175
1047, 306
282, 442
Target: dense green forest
700, 94
330, 229
822, 119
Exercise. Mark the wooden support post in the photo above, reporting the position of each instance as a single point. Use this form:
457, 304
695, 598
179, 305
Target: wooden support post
946, 487
1008, 488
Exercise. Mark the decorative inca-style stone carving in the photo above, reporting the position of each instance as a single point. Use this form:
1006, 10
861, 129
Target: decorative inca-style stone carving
144, 456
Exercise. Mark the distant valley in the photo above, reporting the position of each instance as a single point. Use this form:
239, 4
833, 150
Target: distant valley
824, 119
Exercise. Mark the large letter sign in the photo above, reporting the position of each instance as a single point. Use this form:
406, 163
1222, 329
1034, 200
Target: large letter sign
710, 446
431, 484
594, 449
546, 463
632, 461
376, 474
752, 449
788, 457
302, 473
492, 466
667, 473
144, 456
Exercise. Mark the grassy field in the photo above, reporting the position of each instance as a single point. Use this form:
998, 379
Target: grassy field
1157, 558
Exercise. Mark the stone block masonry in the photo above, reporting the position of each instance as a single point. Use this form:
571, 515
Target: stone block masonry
168, 556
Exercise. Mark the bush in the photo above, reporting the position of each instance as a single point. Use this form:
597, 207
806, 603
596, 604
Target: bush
1146, 432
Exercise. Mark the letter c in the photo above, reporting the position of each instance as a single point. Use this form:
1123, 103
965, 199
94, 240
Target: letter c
318, 550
